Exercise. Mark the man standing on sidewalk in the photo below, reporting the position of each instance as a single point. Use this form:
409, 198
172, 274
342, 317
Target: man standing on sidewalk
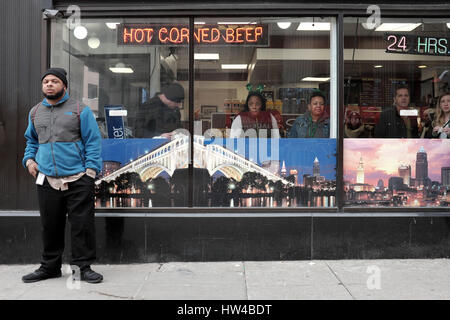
63, 154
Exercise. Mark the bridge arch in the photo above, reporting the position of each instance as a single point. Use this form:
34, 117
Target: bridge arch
153, 171
229, 171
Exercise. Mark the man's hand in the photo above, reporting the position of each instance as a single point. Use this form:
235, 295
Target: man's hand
167, 135
32, 168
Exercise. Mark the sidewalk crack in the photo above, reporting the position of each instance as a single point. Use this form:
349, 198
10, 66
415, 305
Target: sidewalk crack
144, 281
340, 281
110, 295
245, 282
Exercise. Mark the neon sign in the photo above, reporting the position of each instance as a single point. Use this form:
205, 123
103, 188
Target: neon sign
151, 34
417, 44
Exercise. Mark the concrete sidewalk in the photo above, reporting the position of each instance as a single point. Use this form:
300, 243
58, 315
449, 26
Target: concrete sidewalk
272, 280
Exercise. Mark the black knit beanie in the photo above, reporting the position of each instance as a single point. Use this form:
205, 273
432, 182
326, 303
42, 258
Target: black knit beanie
174, 92
57, 72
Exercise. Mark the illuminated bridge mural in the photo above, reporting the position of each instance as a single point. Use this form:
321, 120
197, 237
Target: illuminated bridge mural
175, 154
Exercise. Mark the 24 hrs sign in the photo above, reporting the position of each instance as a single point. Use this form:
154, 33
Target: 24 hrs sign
417, 44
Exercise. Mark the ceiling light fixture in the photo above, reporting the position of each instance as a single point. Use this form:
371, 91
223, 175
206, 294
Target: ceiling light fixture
112, 25
284, 25
94, 42
80, 32
121, 68
422, 66
378, 66
234, 66
316, 79
314, 26
397, 26
233, 23
206, 56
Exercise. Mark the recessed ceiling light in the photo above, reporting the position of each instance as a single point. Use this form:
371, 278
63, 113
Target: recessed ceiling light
397, 26
233, 23
316, 79
121, 68
313, 26
378, 66
94, 42
234, 66
283, 25
199, 22
80, 32
422, 66
112, 25
206, 56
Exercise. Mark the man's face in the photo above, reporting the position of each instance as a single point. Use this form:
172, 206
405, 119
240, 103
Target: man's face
52, 87
401, 99
317, 106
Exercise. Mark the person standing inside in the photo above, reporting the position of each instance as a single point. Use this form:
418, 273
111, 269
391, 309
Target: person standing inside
254, 117
441, 123
63, 154
160, 116
392, 124
354, 126
314, 123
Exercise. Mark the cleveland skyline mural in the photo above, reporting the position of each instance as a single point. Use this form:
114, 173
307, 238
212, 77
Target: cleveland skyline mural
388, 172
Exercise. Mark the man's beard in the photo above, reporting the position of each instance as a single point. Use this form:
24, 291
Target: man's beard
55, 96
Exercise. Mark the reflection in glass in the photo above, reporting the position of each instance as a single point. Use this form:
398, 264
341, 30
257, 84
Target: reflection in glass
247, 97
394, 75
135, 91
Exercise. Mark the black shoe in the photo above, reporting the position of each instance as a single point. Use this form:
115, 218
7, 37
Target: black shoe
90, 276
40, 274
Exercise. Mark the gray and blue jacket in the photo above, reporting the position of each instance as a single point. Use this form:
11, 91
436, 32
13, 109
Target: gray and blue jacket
304, 127
63, 139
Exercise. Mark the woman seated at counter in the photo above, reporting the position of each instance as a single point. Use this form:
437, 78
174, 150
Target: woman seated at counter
314, 123
441, 123
255, 117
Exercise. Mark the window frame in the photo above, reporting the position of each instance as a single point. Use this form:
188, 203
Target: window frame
266, 10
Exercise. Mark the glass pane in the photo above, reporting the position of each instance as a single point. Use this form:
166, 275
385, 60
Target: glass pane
397, 106
254, 81
134, 78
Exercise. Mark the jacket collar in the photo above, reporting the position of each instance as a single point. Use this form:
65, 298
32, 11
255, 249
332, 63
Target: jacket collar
321, 119
64, 99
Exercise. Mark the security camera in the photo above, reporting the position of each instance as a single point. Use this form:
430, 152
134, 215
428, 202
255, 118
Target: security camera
51, 13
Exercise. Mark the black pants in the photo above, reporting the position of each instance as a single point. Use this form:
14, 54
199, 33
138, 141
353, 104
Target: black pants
78, 204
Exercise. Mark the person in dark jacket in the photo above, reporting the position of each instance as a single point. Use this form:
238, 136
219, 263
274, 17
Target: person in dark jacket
354, 126
160, 116
314, 123
63, 154
391, 124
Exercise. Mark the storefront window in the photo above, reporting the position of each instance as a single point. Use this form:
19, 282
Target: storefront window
132, 75
395, 75
262, 113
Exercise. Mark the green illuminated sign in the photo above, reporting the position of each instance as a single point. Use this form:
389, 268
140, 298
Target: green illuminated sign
417, 44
